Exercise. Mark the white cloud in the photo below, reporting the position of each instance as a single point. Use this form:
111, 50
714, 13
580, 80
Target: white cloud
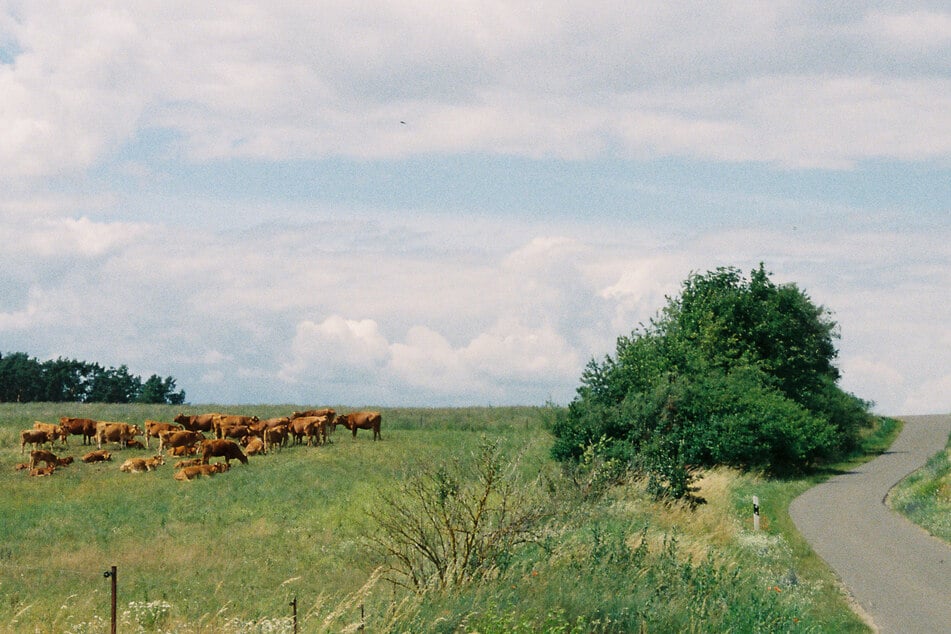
336, 347
788, 84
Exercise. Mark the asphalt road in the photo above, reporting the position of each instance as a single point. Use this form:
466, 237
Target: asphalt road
899, 574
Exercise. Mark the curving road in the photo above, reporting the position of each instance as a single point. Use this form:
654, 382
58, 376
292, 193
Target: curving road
899, 574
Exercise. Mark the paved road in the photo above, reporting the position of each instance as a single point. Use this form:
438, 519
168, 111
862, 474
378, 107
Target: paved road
900, 575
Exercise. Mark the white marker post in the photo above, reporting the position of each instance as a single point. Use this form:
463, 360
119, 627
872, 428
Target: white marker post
755, 513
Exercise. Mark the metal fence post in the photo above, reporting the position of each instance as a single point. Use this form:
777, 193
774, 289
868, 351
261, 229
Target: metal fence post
111, 574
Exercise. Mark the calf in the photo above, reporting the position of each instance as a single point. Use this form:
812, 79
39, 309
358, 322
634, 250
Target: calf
141, 465
192, 462
190, 473
35, 437
41, 455
43, 471
97, 456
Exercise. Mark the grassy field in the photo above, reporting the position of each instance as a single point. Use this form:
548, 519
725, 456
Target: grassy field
925, 496
229, 553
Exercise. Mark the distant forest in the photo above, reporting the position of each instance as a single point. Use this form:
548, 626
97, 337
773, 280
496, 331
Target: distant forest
24, 379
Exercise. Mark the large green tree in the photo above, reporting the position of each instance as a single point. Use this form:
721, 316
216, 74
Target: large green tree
735, 370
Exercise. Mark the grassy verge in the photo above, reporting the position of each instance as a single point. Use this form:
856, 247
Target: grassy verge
924, 497
228, 554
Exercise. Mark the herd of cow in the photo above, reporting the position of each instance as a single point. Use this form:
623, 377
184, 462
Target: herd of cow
231, 437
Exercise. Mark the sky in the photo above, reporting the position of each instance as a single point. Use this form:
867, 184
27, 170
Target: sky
417, 203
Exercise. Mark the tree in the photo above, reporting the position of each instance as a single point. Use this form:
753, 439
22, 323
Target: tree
733, 371
159, 390
114, 385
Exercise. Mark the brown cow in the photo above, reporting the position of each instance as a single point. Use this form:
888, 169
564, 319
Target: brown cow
35, 437
41, 455
97, 456
85, 427
154, 427
63, 462
55, 431
275, 436
196, 422
191, 462
326, 411
314, 427
141, 465
121, 433
184, 450
190, 473
222, 448
181, 438
361, 420
223, 422
43, 471
252, 445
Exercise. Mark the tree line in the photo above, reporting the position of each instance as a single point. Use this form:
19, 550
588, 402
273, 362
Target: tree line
25, 379
735, 371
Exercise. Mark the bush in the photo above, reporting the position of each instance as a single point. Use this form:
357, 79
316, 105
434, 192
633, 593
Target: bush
454, 521
735, 372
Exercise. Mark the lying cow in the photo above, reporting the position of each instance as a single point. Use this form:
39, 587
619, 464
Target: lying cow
190, 473
222, 448
141, 465
252, 445
191, 462
100, 455
43, 471
361, 420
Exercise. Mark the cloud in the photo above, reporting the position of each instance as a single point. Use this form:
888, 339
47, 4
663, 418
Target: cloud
337, 348
791, 85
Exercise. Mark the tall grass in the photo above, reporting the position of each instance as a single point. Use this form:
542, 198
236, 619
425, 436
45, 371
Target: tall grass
925, 495
229, 553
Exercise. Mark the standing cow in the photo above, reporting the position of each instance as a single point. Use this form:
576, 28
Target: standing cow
361, 420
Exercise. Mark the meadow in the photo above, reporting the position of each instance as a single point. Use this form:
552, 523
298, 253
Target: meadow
230, 553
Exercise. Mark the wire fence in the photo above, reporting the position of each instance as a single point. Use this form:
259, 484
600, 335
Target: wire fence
18, 581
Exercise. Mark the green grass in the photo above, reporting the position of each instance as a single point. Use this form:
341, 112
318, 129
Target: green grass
924, 497
228, 554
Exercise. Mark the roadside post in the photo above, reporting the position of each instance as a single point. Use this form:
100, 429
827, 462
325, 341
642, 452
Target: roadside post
755, 513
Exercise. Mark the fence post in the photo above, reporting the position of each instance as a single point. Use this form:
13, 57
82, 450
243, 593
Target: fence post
755, 513
111, 574
293, 605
